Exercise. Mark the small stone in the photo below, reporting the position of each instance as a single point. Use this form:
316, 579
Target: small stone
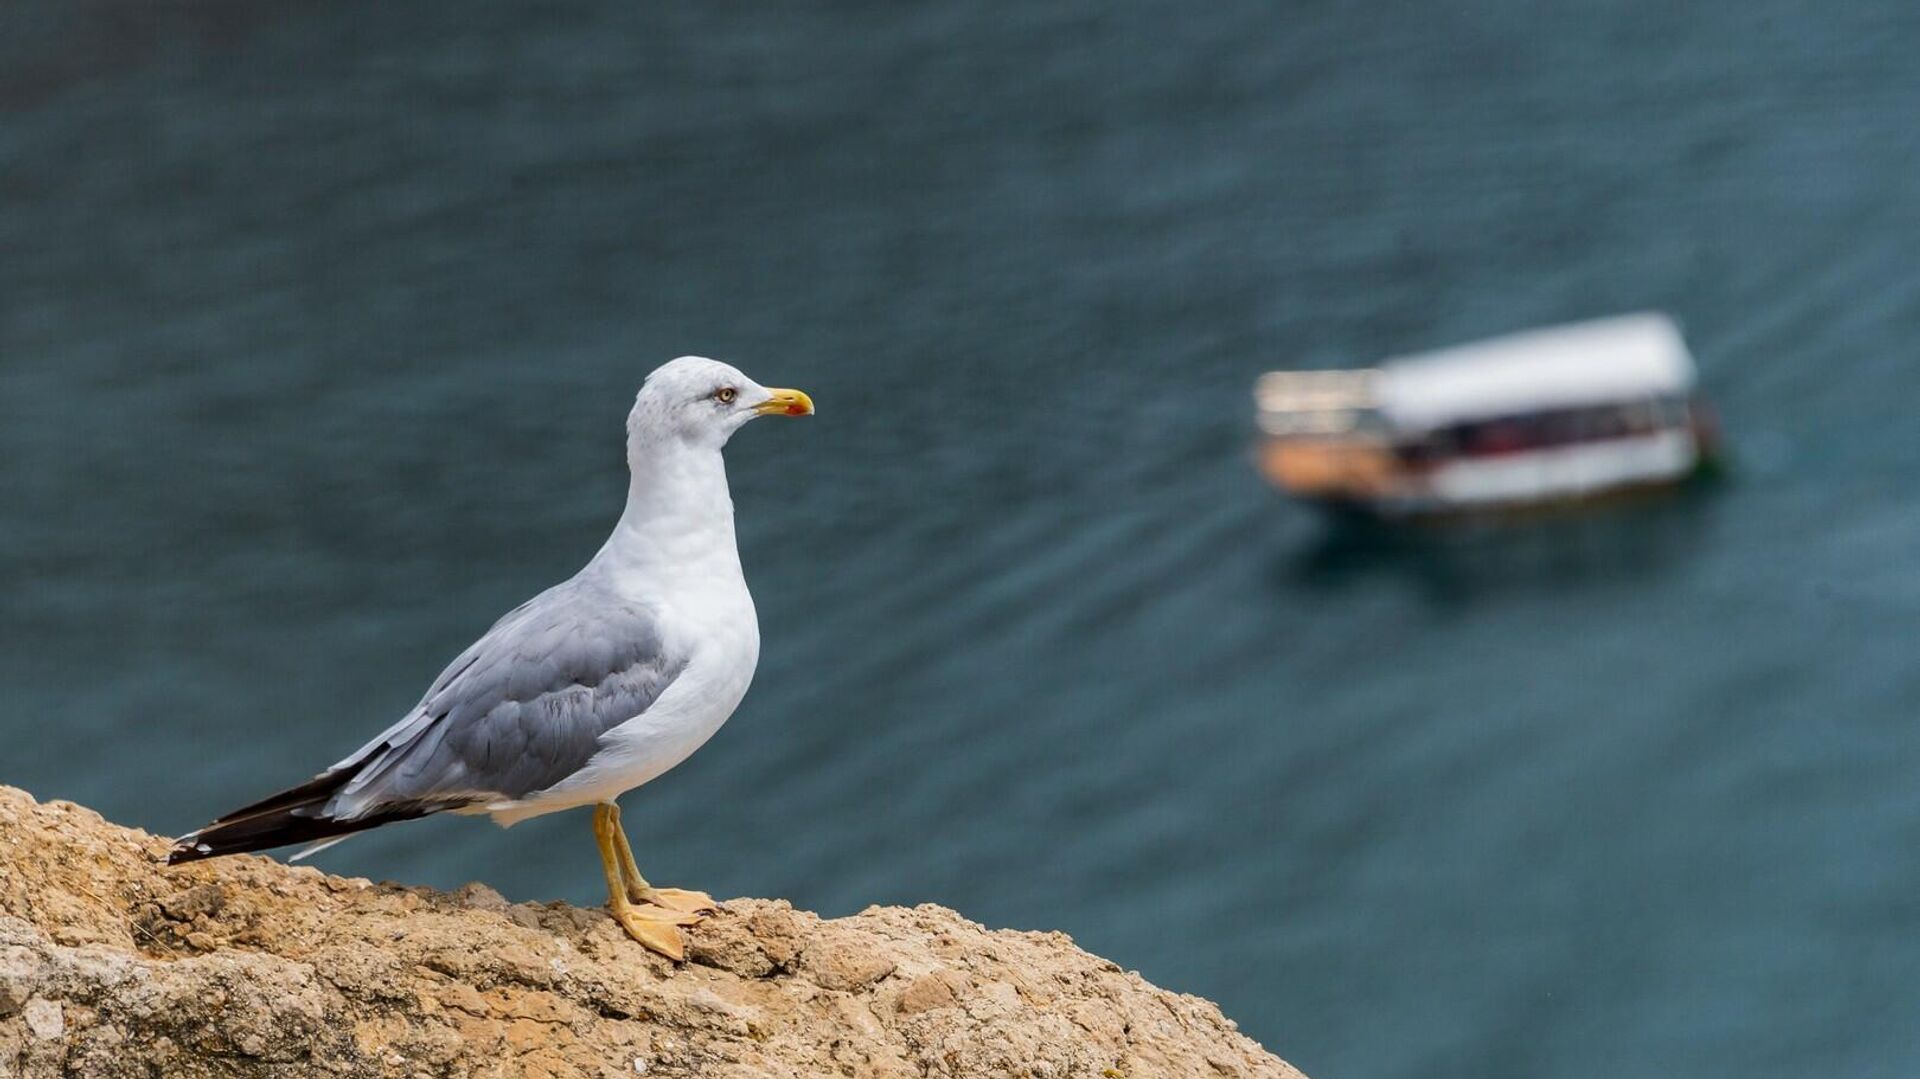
44, 1018
19, 974
839, 967
463, 998
201, 899
480, 897
929, 991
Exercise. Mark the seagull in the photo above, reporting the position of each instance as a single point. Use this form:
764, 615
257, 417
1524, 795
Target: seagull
589, 689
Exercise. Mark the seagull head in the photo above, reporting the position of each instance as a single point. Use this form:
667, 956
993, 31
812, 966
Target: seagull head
703, 402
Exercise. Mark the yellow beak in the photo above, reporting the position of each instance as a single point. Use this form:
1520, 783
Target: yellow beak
785, 403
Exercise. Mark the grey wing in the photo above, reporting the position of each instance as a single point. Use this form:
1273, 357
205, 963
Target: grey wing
520, 710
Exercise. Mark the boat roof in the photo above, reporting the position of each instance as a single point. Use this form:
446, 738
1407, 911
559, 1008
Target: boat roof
1605, 361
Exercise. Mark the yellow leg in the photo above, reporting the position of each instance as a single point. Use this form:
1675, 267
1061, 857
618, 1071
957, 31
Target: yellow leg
640, 891
654, 927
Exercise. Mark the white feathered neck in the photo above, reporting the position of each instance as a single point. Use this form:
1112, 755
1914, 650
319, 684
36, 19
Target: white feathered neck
678, 521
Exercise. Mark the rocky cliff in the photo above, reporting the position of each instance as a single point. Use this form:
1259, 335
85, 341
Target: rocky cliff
112, 965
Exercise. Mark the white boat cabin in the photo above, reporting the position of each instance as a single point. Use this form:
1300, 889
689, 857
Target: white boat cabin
1560, 414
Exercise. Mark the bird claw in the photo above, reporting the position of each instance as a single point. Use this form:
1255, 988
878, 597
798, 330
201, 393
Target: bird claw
653, 913
655, 934
677, 899
656, 924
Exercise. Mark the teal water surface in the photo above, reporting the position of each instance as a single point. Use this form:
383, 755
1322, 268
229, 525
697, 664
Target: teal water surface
318, 323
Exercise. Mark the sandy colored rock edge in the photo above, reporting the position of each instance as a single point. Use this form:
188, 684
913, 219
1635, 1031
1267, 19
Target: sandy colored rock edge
113, 965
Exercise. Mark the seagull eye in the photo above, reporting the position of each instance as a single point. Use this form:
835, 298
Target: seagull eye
725, 395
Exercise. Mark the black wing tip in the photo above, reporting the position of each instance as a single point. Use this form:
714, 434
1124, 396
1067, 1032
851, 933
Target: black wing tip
188, 848
285, 827
277, 820
209, 843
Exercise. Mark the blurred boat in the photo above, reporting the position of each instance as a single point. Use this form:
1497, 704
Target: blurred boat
1547, 417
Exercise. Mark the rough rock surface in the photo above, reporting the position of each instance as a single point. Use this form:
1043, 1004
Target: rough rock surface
112, 965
